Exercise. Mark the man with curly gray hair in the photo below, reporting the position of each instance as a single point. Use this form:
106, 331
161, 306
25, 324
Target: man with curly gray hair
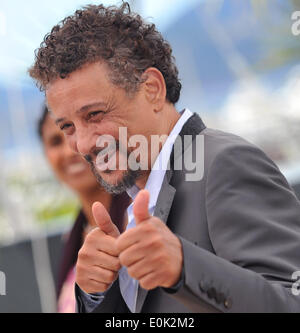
228, 241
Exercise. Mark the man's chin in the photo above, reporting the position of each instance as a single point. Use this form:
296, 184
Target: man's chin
117, 182
112, 177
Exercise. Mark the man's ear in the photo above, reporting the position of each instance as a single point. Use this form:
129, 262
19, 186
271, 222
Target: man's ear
155, 88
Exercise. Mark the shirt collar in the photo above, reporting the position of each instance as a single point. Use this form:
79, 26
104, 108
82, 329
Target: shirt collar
160, 166
133, 192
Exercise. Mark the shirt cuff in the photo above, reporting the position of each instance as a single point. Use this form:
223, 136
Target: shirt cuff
91, 301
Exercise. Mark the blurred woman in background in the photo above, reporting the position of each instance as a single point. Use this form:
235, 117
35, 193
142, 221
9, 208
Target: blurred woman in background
71, 169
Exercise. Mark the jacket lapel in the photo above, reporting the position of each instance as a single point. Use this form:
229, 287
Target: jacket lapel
166, 197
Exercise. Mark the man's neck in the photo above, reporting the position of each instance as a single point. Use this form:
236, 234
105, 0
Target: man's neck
171, 119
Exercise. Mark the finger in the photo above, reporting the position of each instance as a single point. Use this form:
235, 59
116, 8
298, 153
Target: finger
108, 245
103, 260
97, 241
104, 221
149, 281
93, 287
140, 269
108, 262
132, 255
128, 239
101, 275
141, 207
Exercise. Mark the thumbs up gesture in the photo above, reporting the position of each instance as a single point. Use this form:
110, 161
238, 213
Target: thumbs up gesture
98, 263
151, 252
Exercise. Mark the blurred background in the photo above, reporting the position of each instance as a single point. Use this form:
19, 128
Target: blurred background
239, 63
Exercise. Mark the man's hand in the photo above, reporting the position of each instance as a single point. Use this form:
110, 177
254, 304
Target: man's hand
98, 263
151, 252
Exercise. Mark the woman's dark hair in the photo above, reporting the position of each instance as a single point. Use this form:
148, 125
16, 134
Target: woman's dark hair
41, 121
115, 35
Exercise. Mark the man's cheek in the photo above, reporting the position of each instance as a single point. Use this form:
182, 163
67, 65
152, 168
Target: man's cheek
122, 160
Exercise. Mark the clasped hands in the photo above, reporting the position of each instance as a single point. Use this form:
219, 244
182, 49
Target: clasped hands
150, 251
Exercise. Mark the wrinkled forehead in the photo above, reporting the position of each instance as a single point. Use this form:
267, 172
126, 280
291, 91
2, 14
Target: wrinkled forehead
87, 85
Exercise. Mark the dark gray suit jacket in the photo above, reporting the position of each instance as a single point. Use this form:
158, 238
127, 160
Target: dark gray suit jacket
240, 231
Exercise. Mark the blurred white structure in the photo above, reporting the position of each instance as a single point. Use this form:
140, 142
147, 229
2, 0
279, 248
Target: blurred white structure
3, 24
270, 119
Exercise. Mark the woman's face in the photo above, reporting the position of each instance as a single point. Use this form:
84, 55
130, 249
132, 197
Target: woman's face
68, 166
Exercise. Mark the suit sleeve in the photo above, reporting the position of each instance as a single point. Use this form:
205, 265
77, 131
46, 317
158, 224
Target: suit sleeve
253, 220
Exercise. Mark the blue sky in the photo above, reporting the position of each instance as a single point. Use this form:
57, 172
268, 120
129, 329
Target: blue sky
22, 30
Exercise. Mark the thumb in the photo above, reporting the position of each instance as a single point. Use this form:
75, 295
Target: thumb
104, 221
141, 206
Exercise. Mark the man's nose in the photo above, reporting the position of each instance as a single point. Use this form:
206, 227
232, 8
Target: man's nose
84, 142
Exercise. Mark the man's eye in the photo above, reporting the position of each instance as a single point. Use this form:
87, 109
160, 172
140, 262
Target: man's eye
68, 129
94, 114
64, 127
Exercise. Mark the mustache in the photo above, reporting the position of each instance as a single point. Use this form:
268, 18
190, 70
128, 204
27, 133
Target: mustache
96, 151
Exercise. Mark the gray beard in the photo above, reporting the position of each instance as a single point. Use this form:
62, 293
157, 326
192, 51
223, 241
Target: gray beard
125, 184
